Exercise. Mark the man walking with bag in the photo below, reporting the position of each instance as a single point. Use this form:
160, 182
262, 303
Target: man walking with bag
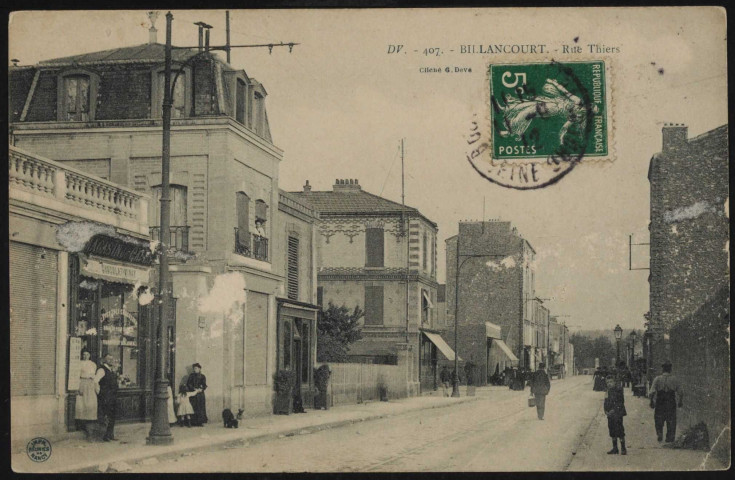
540, 386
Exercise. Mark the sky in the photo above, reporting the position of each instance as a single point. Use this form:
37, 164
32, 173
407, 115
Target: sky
339, 105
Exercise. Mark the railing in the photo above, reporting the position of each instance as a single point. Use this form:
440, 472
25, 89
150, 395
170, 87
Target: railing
54, 180
178, 237
251, 245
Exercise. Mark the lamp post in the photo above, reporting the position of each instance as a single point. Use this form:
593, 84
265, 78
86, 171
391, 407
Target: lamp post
455, 378
618, 335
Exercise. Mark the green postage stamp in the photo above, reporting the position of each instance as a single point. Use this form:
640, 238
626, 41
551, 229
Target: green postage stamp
544, 119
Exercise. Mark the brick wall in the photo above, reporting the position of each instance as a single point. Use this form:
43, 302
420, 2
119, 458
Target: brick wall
690, 269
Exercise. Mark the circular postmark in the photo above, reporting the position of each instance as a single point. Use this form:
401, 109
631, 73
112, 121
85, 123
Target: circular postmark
543, 119
39, 449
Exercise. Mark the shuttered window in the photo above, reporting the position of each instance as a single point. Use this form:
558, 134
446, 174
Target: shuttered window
238, 346
293, 268
243, 219
320, 296
374, 247
374, 305
33, 274
240, 102
256, 339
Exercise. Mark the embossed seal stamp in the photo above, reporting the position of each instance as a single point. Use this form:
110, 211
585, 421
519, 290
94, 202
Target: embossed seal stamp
39, 449
544, 118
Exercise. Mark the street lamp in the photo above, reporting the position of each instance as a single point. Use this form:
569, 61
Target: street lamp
618, 335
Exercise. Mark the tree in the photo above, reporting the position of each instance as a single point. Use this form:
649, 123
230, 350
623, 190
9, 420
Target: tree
336, 330
586, 349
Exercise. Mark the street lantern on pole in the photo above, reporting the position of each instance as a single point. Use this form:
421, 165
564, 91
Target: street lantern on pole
618, 335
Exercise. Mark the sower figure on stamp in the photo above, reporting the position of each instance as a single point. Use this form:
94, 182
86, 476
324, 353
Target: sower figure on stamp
614, 407
106, 379
197, 382
666, 395
540, 386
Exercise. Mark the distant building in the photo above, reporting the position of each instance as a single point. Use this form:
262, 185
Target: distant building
689, 280
372, 252
498, 324
240, 245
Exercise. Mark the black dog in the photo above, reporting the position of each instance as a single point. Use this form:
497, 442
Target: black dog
229, 419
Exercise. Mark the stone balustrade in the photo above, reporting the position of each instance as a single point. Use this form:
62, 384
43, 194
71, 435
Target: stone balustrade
46, 178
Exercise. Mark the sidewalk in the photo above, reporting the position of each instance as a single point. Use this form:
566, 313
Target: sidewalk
645, 453
78, 455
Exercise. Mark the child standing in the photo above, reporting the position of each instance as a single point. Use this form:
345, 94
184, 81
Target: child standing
614, 408
185, 411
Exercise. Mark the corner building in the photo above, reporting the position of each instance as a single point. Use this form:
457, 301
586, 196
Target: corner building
101, 113
380, 255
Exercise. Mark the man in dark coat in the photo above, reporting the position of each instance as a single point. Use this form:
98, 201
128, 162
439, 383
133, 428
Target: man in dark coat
540, 386
106, 378
446, 378
197, 382
666, 395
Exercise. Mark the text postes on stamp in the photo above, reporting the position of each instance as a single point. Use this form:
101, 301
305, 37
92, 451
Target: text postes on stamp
544, 118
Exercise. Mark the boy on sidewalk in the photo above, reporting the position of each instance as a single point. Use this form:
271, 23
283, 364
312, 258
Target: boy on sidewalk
614, 408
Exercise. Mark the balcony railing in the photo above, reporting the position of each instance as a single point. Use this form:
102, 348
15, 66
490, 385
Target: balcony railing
178, 237
41, 181
251, 245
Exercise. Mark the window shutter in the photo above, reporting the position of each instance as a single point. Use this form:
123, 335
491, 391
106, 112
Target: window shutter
374, 305
32, 320
256, 339
374, 245
424, 251
293, 268
243, 218
320, 296
240, 102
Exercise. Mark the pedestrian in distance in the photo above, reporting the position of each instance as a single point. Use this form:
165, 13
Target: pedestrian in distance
197, 382
85, 410
445, 377
106, 379
666, 396
614, 408
540, 386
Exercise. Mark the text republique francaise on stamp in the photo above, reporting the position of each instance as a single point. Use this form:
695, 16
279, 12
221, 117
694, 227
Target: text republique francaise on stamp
544, 119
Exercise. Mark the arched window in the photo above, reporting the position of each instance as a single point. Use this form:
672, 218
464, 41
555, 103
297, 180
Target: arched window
180, 95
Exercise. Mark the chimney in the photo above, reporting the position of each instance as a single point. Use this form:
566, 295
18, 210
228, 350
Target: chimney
675, 137
152, 32
346, 185
307, 187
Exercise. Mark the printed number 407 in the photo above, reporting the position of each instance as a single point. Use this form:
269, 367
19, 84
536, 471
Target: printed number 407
517, 77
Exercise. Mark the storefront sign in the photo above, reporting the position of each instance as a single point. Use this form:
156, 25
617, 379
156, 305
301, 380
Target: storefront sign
75, 363
113, 272
118, 249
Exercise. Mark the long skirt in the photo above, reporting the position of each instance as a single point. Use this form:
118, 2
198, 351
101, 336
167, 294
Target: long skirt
199, 404
171, 412
86, 406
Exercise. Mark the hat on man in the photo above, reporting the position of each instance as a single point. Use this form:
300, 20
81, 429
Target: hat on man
196, 365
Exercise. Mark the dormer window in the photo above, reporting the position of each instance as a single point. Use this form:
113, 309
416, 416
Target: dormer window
240, 103
77, 95
180, 94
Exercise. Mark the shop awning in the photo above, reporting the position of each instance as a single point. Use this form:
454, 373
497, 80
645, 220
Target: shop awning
428, 300
492, 331
446, 350
505, 349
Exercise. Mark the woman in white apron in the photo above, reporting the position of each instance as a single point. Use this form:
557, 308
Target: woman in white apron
86, 405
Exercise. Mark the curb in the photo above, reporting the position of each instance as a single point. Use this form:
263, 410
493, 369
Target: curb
232, 443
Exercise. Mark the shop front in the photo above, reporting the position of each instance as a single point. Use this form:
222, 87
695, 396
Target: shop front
297, 345
111, 312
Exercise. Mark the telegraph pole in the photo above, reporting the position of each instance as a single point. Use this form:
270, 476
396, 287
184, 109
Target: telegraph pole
160, 433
